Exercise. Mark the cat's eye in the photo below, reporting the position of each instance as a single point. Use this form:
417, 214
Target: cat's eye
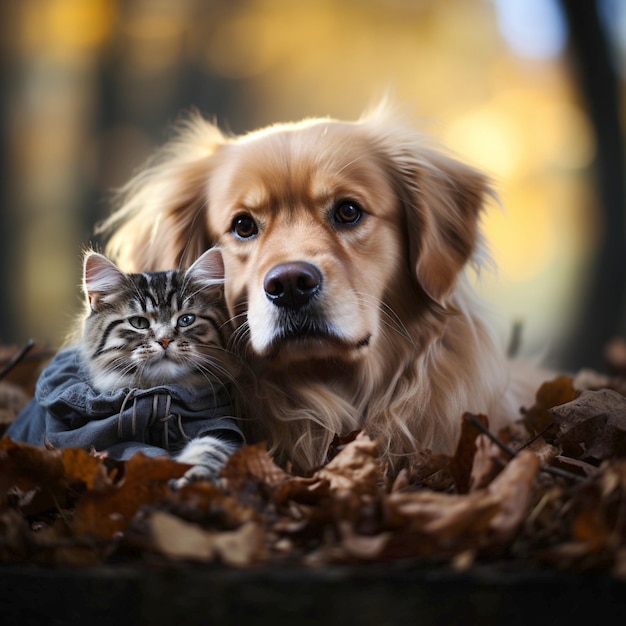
244, 227
141, 323
186, 320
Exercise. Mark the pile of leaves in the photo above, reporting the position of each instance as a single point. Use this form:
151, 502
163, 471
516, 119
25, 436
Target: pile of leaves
550, 490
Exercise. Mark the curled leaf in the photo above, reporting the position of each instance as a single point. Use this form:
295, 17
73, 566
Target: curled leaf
596, 422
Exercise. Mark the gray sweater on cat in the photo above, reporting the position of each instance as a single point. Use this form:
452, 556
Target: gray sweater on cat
68, 412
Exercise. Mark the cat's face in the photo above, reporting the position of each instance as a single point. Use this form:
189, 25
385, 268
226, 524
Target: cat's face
155, 328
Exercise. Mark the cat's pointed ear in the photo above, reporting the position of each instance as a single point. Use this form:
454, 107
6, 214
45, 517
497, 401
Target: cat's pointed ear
208, 268
100, 277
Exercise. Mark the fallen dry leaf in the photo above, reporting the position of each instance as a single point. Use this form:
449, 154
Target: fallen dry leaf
487, 463
39, 472
450, 524
106, 511
253, 464
513, 488
355, 469
178, 540
560, 503
552, 393
596, 422
463, 458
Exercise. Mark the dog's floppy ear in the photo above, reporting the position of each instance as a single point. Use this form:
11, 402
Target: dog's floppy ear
443, 204
160, 222
442, 199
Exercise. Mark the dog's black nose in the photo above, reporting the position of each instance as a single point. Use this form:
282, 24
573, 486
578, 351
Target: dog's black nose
292, 285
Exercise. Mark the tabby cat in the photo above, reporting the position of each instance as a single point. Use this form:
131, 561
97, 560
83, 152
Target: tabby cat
158, 328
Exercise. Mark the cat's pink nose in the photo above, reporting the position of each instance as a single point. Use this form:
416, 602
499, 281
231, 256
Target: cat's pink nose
164, 342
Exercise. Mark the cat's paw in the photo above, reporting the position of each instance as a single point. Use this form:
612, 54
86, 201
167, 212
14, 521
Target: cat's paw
195, 474
207, 455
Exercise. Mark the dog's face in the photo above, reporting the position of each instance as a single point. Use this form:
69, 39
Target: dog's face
333, 233
311, 231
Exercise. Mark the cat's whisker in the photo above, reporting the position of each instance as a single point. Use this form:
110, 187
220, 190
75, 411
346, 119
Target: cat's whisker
240, 338
213, 368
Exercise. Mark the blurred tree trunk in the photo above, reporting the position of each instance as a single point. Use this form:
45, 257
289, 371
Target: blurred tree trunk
7, 259
603, 313
142, 105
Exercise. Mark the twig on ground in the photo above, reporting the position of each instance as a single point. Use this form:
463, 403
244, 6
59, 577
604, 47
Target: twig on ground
541, 433
16, 358
548, 469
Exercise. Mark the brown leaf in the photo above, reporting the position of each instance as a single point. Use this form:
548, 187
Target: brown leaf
33, 469
27, 465
182, 540
463, 459
550, 394
513, 488
597, 518
242, 547
346, 491
355, 469
16, 540
178, 539
431, 523
604, 499
488, 463
431, 471
252, 463
596, 421
80, 466
204, 503
427, 522
339, 442
362, 547
108, 510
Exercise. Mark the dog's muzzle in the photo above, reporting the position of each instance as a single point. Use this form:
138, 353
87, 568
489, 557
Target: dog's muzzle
293, 285
299, 319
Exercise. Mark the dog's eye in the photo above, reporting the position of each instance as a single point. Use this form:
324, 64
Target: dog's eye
244, 227
347, 212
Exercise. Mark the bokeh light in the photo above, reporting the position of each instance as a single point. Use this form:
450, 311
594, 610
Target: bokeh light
91, 87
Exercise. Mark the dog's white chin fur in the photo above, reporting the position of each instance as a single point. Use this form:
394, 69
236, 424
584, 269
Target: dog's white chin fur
413, 351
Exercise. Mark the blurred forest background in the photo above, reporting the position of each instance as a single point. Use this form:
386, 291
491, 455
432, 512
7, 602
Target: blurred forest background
528, 90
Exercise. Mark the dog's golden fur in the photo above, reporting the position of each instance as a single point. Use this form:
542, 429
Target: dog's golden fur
393, 340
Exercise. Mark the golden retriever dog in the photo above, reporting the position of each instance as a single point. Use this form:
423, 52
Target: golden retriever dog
345, 246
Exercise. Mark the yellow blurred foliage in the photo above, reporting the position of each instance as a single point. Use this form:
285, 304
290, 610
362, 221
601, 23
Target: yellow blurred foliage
64, 28
519, 120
